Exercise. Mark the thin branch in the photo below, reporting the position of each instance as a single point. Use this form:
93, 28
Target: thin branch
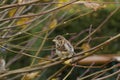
87, 70
98, 28
16, 5
69, 73
23, 70
98, 72
42, 13
25, 54
94, 49
59, 71
108, 76
118, 77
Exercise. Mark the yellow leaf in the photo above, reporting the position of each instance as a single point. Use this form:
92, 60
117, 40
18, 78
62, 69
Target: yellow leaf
53, 24
68, 62
22, 21
61, 2
20, 1
12, 12
85, 47
55, 79
31, 76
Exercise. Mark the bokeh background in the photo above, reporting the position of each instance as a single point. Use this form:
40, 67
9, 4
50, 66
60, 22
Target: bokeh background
28, 27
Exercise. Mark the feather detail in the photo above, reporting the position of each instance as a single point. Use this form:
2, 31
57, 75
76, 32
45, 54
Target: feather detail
64, 48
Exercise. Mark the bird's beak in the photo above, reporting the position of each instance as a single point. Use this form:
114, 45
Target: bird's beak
54, 40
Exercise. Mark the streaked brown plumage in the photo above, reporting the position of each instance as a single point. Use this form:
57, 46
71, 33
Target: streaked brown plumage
64, 48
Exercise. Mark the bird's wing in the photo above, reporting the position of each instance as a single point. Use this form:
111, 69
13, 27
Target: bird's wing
69, 47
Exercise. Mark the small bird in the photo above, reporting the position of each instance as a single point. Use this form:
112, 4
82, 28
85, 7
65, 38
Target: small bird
64, 49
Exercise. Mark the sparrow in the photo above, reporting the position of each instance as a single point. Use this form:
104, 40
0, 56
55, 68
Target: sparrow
63, 47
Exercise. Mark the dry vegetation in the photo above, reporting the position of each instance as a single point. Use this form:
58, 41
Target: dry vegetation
27, 28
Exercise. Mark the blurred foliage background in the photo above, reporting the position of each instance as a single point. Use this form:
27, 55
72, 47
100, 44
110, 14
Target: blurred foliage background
30, 28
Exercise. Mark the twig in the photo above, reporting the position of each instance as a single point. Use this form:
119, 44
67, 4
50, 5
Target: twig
15, 77
16, 5
39, 48
23, 70
79, 34
41, 13
69, 73
94, 49
108, 76
105, 70
100, 26
56, 73
87, 70
18, 56
118, 77
25, 54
